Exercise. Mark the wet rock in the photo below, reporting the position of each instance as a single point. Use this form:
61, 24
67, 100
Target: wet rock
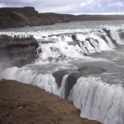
17, 51
70, 82
59, 76
74, 75
121, 34
88, 70
104, 38
74, 38
109, 35
83, 71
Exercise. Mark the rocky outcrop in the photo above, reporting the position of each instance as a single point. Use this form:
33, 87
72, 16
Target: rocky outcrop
74, 75
26, 104
109, 35
17, 51
83, 71
59, 76
18, 17
28, 16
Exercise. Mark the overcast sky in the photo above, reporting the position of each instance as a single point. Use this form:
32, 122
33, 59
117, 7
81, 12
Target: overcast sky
69, 6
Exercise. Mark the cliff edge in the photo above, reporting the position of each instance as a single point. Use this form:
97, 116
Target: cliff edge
26, 104
28, 16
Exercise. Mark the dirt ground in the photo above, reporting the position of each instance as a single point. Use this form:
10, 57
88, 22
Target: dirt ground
26, 104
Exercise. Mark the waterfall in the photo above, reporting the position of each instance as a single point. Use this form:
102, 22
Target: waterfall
116, 37
98, 100
60, 46
28, 76
62, 88
110, 42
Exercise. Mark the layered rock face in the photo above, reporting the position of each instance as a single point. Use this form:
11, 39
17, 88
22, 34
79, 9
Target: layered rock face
26, 104
17, 51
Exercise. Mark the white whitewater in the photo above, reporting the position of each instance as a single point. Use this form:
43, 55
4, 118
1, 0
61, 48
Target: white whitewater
26, 75
58, 45
116, 37
110, 42
64, 47
98, 100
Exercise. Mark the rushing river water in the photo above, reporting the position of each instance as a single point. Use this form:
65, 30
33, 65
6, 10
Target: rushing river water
72, 45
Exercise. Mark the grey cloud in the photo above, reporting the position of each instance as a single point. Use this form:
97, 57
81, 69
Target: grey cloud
69, 6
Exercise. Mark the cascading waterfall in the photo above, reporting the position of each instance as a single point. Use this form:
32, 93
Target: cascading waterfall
26, 75
116, 37
72, 46
109, 42
96, 99
62, 88
64, 46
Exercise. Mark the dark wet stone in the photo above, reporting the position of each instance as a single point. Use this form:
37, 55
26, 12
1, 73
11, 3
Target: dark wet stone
104, 38
59, 76
88, 70
74, 38
17, 51
83, 71
70, 82
121, 34
109, 35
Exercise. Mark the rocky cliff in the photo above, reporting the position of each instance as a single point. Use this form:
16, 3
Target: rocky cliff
28, 16
26, 104
17, 51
